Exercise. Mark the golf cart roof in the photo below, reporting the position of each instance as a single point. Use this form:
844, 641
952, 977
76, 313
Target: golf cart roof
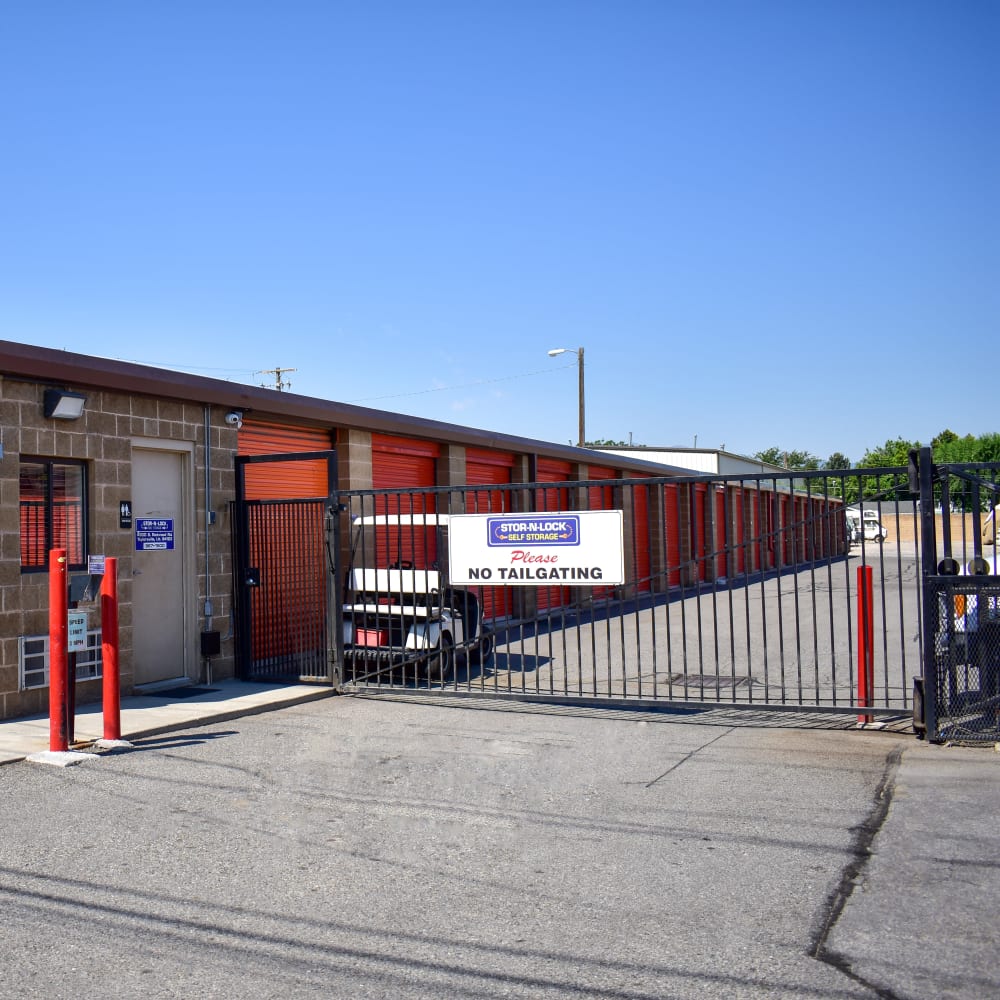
428, 519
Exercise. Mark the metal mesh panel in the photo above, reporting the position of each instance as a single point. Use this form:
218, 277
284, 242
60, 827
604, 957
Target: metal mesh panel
967, 659
288, 607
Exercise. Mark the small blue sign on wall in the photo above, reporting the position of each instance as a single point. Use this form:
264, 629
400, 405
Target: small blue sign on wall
152, 533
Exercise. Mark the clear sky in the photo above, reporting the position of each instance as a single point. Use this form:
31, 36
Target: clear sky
767, 223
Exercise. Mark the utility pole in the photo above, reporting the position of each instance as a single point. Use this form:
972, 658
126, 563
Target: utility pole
279, 383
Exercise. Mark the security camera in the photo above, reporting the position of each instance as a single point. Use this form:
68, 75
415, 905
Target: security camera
234, 419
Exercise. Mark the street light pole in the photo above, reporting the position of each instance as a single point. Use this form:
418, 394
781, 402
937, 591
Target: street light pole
579, 364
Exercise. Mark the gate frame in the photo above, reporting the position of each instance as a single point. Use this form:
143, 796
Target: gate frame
935, 576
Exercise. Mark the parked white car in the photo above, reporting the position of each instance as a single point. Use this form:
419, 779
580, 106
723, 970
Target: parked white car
864, 524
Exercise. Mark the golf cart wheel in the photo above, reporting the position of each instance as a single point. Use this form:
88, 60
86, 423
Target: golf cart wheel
441, 666
487, 643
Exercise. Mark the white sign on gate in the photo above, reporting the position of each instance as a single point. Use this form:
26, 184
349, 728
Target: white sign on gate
537, 549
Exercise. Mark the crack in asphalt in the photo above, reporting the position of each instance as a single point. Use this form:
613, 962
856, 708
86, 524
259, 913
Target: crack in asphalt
861, 852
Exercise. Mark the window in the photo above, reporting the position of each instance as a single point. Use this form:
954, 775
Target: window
53, 512
34, 660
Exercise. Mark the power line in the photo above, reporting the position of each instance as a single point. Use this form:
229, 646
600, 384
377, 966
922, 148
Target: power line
279, 383
464, 385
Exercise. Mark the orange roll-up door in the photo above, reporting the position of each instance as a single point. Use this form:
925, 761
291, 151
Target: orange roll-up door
283, 480
555, 498
407, 463
601, 498
490, 468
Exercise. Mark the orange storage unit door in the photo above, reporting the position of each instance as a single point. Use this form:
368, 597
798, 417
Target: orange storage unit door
283, 480
641, 542
407, 463
738, 526
698, 500
490, 468
601, 498
673, 518
721, 534
403, 462
552, 499
786, 527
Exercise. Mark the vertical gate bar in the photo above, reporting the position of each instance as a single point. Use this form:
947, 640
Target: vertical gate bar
793, 504
242, 531
818, 524
928, 559
762, 571
883, 589
714, 564
690, 534
661, 575
977, 529
945, 515
731, 572
849, 609
637, 599
750, 567
822, 518
780, 528
334, 593
835, 536
700, 598
667, 522
866, 639
887, 700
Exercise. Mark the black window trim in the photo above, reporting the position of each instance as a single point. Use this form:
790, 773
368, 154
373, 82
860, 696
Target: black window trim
49, 461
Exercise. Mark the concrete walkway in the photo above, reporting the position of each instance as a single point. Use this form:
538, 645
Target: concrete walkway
164, 711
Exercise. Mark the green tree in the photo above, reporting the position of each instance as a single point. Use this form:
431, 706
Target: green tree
949, 447
838, 460
798, 460
988, 448
892, 454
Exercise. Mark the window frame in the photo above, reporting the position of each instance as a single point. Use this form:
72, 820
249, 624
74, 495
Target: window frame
50, 463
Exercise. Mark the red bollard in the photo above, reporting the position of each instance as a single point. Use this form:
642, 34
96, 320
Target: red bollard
58, 652
109, 650
866, 642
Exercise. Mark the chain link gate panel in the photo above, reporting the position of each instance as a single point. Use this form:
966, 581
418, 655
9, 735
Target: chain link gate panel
960, 685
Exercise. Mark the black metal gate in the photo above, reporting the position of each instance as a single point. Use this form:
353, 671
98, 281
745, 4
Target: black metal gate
284, 591
739, 591
871, 593
960, 686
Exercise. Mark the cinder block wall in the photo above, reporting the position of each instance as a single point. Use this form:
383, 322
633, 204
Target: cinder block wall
102, 438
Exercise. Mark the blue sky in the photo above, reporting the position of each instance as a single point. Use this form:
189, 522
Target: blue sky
767, 223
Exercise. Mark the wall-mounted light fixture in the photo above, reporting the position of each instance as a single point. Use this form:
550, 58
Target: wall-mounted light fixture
62, 405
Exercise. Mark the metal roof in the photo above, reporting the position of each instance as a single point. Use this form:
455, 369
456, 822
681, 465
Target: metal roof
53, 367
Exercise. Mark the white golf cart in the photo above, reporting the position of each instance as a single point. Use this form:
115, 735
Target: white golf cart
400, 616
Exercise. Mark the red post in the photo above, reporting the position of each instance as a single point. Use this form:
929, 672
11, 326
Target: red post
109, 650
58, 653
866, 641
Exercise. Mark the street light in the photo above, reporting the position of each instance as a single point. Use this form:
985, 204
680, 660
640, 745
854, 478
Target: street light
579, 358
